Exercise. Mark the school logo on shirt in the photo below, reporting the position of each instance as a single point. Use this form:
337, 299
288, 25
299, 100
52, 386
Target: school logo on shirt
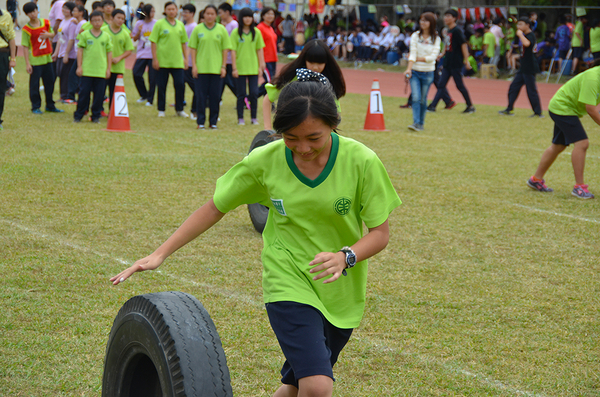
342, 206
200, 35
90, 42
166, 31
278, 204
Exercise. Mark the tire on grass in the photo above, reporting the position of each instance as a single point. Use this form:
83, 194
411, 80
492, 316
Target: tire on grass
258, 212
164, 344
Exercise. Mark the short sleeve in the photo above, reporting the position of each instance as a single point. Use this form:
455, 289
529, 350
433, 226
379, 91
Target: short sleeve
226, 41
272, 92
182, 34
25, 38
238, 186
260, 42
82, 41
378, 196
109, 45
128, 43
193, 43
155, 31
589, 93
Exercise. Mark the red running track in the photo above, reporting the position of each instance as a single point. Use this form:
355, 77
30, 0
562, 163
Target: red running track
482, 92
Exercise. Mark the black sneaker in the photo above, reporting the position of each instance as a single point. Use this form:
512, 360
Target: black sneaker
540, 186
541, 116
469, 110
506, 112
450, 105
430, 109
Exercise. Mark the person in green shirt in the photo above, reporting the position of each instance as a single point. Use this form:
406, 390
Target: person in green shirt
35, 38
595, 39
579, 96
169, 57
94, 59
577, 43
248, 44
209, 44
320, 188
489, 45
122, 48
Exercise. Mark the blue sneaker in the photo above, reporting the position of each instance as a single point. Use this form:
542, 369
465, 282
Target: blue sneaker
582, 192
54, 110
37, 111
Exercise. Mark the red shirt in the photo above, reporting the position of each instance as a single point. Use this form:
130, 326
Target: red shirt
270, 39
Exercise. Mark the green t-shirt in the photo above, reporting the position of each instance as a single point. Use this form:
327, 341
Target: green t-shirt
490, 40
307, 217
88, 26
26, 42
476, 42
245, 49
168, 39
595, 39
209, 45
575, 41
581, 90
121, 42
95, 53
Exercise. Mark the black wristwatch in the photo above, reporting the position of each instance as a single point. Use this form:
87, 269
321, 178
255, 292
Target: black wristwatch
350, 259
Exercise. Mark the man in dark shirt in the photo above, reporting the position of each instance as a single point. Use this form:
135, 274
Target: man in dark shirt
456, 54
527, 71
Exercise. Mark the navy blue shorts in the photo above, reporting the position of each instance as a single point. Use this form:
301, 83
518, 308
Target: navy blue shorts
577, 53
310, 343
567, 129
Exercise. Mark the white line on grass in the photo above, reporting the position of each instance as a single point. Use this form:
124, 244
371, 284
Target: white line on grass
579, 218
194, 144
249, 300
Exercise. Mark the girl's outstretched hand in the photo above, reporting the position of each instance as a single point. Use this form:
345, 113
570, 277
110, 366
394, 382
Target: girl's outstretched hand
330, 263
150, 262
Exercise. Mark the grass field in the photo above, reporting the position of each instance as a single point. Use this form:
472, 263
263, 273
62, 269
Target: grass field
487, 288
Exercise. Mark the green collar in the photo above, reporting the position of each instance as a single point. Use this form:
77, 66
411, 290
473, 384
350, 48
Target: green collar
335, 143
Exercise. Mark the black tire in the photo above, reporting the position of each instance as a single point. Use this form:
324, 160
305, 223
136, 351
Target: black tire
258, 212
164, 344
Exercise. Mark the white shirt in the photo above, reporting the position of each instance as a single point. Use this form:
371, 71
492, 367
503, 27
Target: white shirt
424, 48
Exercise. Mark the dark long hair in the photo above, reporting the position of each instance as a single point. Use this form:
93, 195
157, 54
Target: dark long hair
315, 51
299, 100
246, 12
430, 17
147, 10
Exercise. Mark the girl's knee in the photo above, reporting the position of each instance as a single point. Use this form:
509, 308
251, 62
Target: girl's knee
582, 145
315, 386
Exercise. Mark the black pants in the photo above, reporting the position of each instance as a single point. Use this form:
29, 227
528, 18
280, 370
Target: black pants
46, 73
112, 80
456, 74
73, 81
229, 80
191, 82
269, 75
527, 80
208, 86
289, 45
62, 71
87, 86
139, 68
4, 69
252, 94
178, 83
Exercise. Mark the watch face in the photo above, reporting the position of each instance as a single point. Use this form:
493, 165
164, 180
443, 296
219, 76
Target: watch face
351, 259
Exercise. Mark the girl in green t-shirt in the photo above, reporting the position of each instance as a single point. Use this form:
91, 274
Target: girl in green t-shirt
249, 61
321, 188
209, 45
315, 56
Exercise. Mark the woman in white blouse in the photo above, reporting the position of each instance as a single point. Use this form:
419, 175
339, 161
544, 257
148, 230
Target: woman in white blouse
424, 50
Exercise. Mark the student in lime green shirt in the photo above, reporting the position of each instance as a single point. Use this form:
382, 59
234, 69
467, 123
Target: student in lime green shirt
94, 59
122, 48
577, 42
321, 188
489, 45
249, 62
209, 44
595, 40
169, 57
578, 97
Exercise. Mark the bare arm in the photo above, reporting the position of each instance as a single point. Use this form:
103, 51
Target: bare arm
184, 49
526, 43
199, 222
593, 112
261, 61
267, 113
333, 263
70, 45
28, 66
155, 64
465, 51
13, 53
234, 71
224, 67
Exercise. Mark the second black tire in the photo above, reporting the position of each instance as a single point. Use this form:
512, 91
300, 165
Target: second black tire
165, 345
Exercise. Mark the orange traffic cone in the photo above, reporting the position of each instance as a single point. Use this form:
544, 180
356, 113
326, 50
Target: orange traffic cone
118, 118
374, 120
